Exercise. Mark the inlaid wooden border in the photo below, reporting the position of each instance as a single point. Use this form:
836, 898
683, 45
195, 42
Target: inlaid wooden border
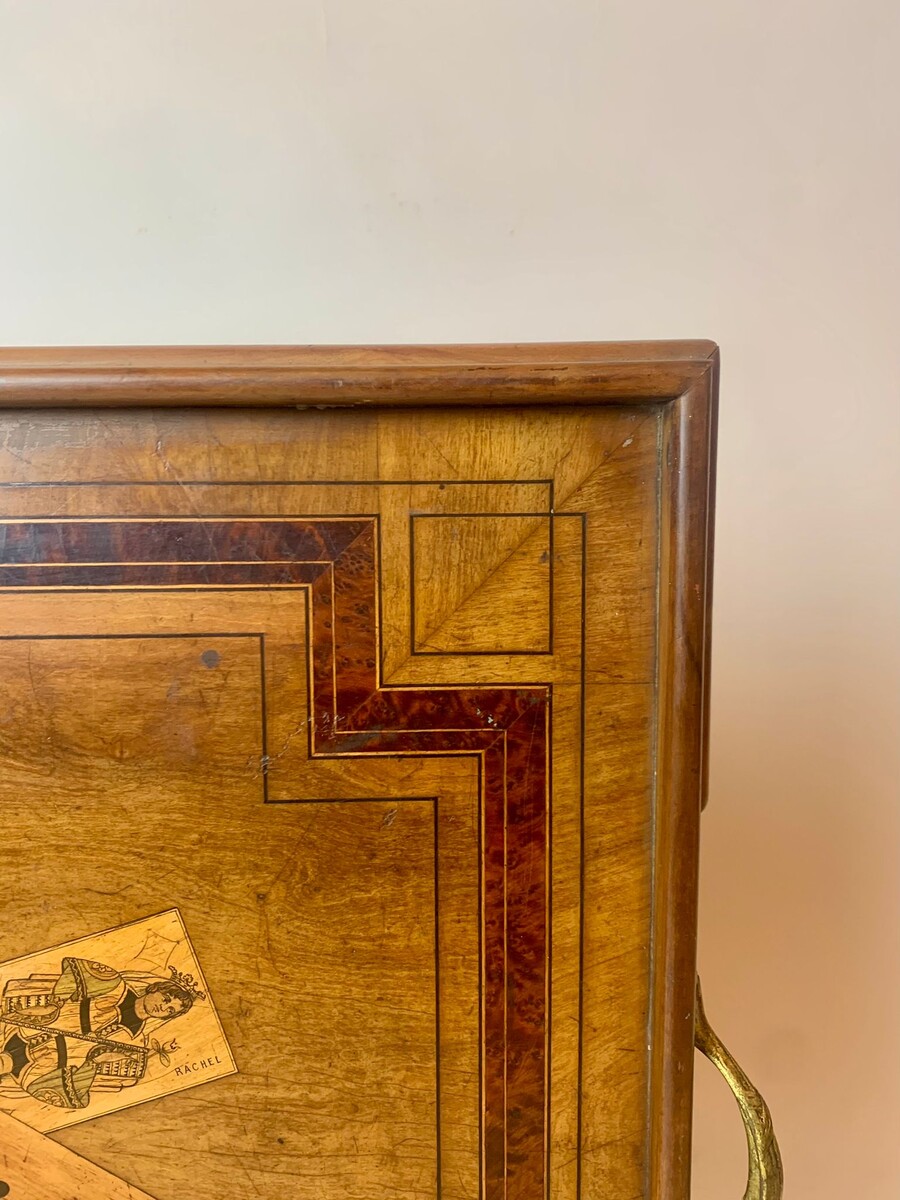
680, 378
334, 560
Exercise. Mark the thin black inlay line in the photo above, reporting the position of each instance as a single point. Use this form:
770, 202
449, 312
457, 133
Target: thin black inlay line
475, 687
548, 940
480, 654
581, 864
412, 586
257, 483
437, 999
100, 637
652, 938
264, 721
87, 590
481, 1025
322, 757
443, 516
379, 600
183, 589
310, 671
169, 562
551, 601
548, 1141
174, 518
359, 800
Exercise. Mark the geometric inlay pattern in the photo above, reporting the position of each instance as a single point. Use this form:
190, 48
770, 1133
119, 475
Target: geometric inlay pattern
507, 728
481, 583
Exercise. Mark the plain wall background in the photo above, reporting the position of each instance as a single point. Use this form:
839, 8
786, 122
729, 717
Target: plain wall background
453, 170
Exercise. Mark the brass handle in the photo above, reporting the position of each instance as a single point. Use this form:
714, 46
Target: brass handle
766, 1179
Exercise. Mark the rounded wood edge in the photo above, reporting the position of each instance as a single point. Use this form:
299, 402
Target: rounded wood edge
688, 473
390, 376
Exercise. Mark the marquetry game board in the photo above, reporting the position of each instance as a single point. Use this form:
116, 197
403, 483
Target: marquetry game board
352, 754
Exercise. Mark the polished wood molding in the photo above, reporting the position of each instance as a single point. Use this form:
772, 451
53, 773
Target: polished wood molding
338, 376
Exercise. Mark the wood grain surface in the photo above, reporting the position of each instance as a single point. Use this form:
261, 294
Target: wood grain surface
400, 702
32, 1167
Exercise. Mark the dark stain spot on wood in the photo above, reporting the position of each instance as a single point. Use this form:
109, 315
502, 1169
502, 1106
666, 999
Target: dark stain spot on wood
4, 1188
210, 658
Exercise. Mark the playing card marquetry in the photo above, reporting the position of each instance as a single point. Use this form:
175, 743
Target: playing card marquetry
106, 1022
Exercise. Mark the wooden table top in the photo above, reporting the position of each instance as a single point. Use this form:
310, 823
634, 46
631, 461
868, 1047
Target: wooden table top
353, 754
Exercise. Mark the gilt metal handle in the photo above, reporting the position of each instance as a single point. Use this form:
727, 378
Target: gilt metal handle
766, 1177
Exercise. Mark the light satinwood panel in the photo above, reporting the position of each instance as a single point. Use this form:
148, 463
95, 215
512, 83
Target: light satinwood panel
616, 937
33, 1165
481, 584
